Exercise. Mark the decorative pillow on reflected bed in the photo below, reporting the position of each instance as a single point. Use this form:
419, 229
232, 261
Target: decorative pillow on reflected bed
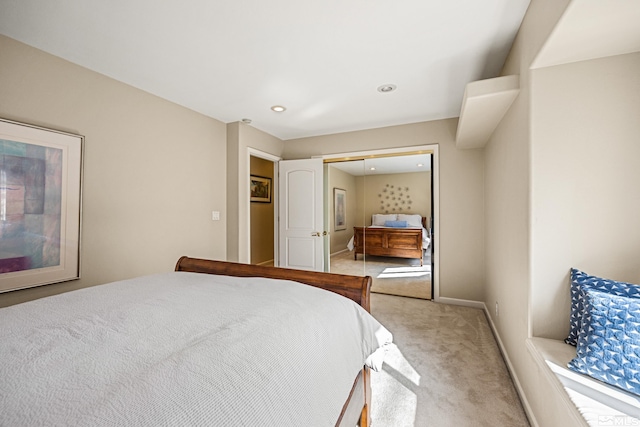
413, 220
581, 281
609, 341
397, 224
380, 219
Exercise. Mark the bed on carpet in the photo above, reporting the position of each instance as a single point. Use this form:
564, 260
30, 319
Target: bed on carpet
212, 343
392, 235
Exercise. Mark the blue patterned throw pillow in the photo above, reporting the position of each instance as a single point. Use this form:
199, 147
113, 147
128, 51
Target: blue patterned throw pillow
608, 346
581, 281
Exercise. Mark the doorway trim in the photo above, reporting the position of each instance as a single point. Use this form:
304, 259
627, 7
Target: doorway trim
435, 176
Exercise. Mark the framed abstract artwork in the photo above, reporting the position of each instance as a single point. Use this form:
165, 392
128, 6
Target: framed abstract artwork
340, 209
260, 189
40, 200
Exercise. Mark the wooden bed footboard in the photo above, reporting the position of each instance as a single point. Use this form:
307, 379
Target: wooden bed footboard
356, 409
391, 242
356, 288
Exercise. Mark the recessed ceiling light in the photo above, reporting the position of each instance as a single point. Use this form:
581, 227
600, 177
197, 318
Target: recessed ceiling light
246, 121
278, 108
386, 88
372, 168
420, 165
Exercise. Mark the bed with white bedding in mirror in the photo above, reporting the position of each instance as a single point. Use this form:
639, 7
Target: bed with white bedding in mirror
392, 235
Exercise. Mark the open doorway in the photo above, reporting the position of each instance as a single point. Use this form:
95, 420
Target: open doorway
262, 210
387, 231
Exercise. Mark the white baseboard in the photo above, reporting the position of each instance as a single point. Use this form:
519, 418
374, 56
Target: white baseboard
462, 302
525, 403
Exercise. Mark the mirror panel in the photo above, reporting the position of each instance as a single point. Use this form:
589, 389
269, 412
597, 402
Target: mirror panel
385, 187
397, 193
344, 201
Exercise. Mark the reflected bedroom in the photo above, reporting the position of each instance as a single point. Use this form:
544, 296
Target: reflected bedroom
380, 216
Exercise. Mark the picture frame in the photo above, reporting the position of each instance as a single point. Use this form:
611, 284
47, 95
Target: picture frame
260, 188
339, 209
40, 205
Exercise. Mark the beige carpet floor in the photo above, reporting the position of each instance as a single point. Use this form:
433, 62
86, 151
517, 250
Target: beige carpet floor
444, 369
393, 276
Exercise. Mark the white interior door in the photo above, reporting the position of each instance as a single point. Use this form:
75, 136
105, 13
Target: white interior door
301, 241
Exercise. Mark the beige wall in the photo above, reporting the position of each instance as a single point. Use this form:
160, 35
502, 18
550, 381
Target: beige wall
506, 160
345, 181
461, 194
419, 192
507, 222
241, 138
153, 171
262, 216
233, 191
586, 180
561, 158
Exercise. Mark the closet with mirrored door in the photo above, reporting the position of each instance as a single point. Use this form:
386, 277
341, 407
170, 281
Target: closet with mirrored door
379, 213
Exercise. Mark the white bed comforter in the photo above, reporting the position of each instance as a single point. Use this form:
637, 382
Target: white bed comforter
184, 349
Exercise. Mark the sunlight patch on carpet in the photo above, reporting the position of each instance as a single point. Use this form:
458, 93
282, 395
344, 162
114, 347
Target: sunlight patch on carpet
402, 272
398, 362
395, 400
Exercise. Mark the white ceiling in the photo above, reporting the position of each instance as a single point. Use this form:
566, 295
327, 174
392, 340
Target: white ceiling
386, 165
321, 59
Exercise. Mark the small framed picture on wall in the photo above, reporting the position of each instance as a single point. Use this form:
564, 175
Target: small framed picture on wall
260, 189
340, 209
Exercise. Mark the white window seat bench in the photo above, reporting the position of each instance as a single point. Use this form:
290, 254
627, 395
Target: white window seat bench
596, 403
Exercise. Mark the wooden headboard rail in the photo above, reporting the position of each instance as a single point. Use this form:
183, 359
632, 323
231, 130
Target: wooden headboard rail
356, 288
